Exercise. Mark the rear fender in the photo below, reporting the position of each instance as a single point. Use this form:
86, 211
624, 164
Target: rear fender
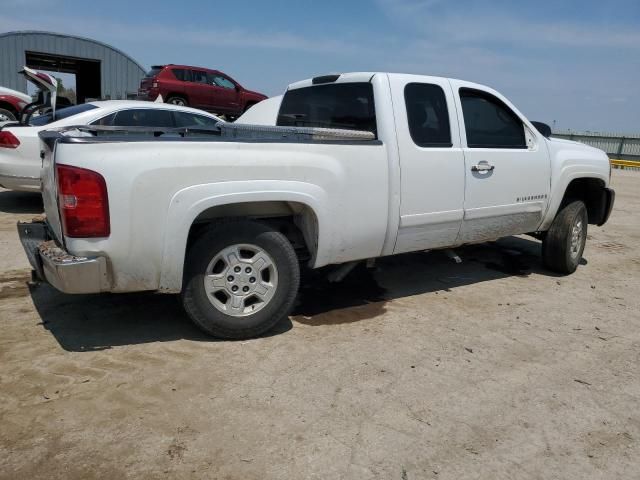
188, 203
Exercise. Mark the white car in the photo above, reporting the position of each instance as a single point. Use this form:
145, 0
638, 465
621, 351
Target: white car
20, 146
359, 166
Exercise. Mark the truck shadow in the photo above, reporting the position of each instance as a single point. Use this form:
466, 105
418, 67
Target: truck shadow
96, 322
20, 202
364, 293
83, 323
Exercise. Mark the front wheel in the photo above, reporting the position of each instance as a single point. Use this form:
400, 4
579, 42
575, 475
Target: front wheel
241, 279
564, 243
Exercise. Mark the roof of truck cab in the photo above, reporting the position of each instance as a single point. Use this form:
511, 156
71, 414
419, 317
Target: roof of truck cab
350, 77
342, 78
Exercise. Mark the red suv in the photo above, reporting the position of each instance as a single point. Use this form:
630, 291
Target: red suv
198, 87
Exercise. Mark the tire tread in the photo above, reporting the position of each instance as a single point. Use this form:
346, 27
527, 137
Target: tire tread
555, 252
230, 227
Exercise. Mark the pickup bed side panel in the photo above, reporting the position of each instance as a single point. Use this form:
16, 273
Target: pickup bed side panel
157, 187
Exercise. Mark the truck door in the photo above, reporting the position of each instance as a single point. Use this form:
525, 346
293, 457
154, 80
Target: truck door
507, 167
431, 162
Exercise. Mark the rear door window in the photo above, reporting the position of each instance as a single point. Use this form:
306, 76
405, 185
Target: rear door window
105, 121
427, 115
199, 76
490, 123
187, 119
144, 117
338, 105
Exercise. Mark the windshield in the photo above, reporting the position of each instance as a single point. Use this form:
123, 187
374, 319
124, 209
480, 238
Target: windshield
62, 113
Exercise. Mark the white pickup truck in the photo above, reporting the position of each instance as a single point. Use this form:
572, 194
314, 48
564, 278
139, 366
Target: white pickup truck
361, 165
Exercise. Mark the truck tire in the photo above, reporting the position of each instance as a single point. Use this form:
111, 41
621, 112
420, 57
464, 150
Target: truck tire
564, 243
241, 279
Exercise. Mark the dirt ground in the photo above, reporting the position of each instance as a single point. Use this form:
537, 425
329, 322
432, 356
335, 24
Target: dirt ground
421, 368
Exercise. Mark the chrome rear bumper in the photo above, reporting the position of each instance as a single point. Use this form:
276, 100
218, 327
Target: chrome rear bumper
67, 273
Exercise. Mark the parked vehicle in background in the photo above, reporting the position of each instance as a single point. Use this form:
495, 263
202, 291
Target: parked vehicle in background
400, 163
20, 146
11, 104
198, 87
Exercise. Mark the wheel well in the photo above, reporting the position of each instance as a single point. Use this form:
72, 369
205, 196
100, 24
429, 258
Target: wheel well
591, 192
294, 220
174, 94
8, 106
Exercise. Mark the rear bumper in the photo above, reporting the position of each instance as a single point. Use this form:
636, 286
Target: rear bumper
609, 199
52, 264
20, 183
149, 95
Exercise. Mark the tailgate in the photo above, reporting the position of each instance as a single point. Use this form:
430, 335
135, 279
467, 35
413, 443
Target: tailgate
50, 184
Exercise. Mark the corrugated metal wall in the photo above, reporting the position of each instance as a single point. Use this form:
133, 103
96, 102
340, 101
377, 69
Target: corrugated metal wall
621, 147
120, 74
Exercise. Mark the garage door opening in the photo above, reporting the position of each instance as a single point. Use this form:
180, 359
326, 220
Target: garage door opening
83, 73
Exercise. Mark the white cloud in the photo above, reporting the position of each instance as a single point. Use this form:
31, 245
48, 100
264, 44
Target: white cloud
180, 36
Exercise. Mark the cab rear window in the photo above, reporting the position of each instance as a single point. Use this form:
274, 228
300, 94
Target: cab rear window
347, 106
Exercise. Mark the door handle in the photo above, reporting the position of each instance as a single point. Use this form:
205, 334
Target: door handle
482, 167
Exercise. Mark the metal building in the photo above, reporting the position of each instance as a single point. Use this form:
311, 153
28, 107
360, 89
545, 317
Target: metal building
102, 71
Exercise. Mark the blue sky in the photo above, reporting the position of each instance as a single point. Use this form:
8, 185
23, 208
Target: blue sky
575, 62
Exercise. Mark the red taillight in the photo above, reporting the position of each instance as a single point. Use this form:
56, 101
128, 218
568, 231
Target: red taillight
8, 140
83, 201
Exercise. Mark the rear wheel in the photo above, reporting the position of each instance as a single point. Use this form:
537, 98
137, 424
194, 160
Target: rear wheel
176, 100
7, 115
241, 279
564, 243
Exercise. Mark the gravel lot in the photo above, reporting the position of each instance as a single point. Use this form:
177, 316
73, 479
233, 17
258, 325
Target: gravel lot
421, 368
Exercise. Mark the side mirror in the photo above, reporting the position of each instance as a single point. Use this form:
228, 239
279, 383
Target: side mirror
543, 128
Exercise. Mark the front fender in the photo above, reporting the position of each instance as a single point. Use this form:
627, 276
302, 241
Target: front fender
560, 185
188, 203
